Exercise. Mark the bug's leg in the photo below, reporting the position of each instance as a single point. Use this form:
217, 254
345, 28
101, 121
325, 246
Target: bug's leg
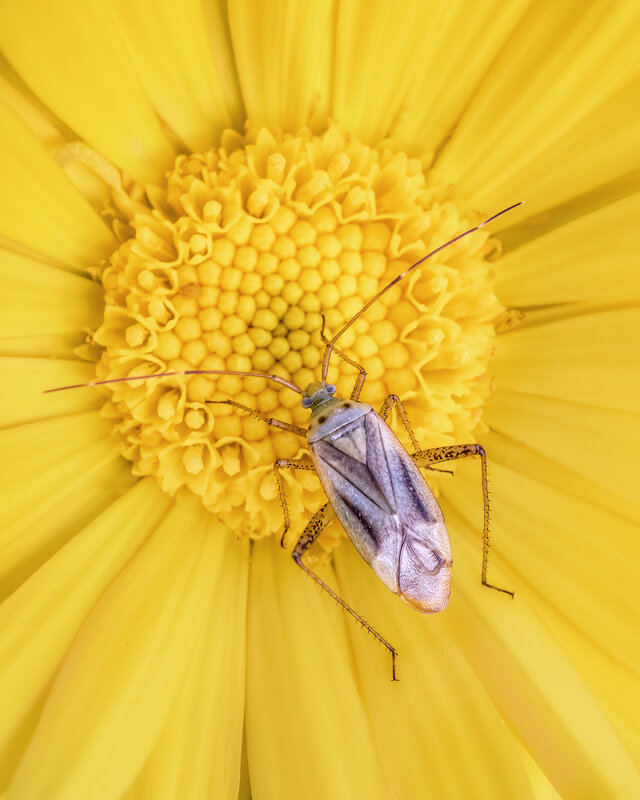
357, 387
388, 404
276, 423
288, 463
462, 451
316, 525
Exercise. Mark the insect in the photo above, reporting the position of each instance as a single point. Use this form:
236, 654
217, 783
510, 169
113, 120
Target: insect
373, 485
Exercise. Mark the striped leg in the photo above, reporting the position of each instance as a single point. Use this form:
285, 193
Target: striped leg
288, 463
437, 454
317, 524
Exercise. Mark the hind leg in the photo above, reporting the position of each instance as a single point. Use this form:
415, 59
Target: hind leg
450, 453
316, 525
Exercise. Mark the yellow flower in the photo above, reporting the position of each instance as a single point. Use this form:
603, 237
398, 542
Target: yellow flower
227, 176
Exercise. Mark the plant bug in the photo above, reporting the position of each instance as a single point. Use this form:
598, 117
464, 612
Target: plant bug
373, 485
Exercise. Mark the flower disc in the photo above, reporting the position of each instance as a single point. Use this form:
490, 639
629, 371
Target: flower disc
234, 265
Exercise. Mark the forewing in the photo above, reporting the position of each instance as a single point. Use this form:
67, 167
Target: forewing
387, 510
354, 477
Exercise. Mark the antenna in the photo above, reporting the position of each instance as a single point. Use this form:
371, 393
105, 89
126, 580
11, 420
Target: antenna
275, 378
329, 348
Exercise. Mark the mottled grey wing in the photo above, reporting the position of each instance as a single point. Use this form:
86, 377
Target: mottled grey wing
387, 509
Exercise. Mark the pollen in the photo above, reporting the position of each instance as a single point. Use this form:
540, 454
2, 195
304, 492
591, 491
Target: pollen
238, 263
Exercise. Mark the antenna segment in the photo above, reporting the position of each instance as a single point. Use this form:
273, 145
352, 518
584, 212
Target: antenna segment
275, 378
329, 348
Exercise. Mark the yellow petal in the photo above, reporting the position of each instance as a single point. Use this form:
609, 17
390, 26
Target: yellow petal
530, 679
598, 155
244, 790
370, 77
437, 731
216, 20
76, 62
123, 671
553, 117
44, 310
169, 47
541, 787
77, 480
199, 751
40, 620
547, 470
307, 730
558, 313
41, 454
612, 684
39, 207
577, 556
586, 259
581, 438
25, 379
21, 100
592, 359
273, 42
445, 49
455, 50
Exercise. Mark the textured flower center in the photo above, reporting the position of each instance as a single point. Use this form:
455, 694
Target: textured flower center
232, 266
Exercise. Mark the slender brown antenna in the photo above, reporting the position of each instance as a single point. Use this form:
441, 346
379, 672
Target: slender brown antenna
275, 378
329, 348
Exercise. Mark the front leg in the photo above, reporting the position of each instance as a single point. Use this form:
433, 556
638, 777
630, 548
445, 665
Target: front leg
435, 454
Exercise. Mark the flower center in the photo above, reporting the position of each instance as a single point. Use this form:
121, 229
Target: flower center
233, 265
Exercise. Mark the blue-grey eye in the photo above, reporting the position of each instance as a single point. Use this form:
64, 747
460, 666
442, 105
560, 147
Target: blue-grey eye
331, 388
306, 402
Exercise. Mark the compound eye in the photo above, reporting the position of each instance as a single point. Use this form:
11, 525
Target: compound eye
306, 402
331, 389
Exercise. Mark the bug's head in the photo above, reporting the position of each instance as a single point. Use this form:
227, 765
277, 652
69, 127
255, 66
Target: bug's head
317, 393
